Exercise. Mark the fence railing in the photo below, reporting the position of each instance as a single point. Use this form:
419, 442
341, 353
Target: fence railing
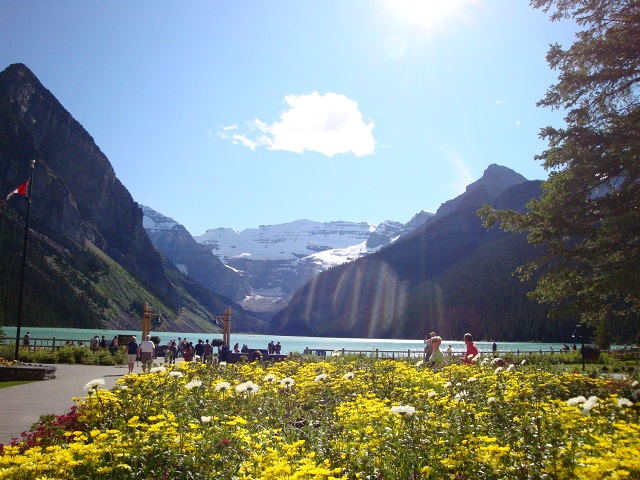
624, 354
48, 343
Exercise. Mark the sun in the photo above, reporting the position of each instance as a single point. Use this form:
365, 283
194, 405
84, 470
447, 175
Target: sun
428, 14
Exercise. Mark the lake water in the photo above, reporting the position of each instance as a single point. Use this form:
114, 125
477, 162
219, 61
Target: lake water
289, 343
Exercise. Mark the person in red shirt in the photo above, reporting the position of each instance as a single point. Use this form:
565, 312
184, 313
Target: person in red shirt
472, 350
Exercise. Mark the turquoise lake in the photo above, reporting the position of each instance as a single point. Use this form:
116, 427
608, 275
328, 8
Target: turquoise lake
289, 343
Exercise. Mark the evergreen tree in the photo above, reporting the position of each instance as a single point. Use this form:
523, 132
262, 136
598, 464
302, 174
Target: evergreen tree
588, 216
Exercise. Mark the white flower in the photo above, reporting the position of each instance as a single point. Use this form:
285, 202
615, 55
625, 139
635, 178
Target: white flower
247, 387
405, 410
589, 404
510, 367
499, 369
93, 385
176, 374
336, 353
472, 379
419, 363
447, 385
460, 396
624, 402
269, 378
122, 387
523, 362
491, 400
159, 369
321, 377
576, 400
635, 383
287, 382
223, 364
432, 393
193, 384
205, 420
348, 375
251, 387
222, 386
476, 358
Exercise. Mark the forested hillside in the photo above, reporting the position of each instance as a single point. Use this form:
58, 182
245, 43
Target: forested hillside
454, 276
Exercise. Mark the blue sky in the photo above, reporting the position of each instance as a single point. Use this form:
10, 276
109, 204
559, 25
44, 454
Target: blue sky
246, 113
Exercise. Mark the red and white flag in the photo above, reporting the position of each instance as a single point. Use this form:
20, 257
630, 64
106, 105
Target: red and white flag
21, 190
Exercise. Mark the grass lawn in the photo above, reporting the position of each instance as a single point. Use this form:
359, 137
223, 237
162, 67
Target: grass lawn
13, 383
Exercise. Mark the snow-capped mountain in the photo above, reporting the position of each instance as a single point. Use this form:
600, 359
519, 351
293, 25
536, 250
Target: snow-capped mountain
278, 259
265, 266
191, 258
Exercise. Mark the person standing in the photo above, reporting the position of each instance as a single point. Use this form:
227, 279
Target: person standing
436, 358
132, 352
113, 348
472, 350
428, 347
208, 350
147, 352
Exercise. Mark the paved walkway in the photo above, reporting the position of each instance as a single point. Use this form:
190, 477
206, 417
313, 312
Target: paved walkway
21, 406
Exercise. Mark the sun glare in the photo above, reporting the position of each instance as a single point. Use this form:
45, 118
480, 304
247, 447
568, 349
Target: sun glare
427, 13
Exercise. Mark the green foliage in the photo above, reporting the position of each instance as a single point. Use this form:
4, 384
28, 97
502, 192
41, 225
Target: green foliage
588, 216
66, 354
602, 335
49, 300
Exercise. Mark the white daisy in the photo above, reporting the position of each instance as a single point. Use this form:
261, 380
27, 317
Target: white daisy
405, 410
589, 404
93, 385
222, 386
193, 384
287, 382
624, 402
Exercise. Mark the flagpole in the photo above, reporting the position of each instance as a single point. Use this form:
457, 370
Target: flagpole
24, 259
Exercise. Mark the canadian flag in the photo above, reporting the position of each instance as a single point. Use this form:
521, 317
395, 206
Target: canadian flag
21, 190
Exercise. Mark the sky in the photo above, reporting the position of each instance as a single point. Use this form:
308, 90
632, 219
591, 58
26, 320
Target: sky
246, 113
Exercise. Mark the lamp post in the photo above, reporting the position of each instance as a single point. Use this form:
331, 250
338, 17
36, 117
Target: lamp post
581, 327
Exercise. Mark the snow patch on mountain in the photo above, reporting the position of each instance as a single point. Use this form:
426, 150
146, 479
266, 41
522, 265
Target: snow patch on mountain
288, 241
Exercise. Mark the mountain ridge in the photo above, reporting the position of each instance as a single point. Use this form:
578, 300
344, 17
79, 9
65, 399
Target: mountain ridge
87, 244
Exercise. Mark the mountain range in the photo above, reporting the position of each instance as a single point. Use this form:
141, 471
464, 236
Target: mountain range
96, 256
274, 261
90, 261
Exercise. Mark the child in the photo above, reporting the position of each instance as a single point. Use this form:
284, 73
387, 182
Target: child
436, 357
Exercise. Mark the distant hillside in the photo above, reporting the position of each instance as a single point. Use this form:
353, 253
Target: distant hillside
90, 261
451, 276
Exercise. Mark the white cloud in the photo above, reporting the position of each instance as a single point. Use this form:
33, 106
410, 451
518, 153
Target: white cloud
328, 124
243, 140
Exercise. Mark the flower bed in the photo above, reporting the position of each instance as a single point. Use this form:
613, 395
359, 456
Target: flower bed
342, 418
